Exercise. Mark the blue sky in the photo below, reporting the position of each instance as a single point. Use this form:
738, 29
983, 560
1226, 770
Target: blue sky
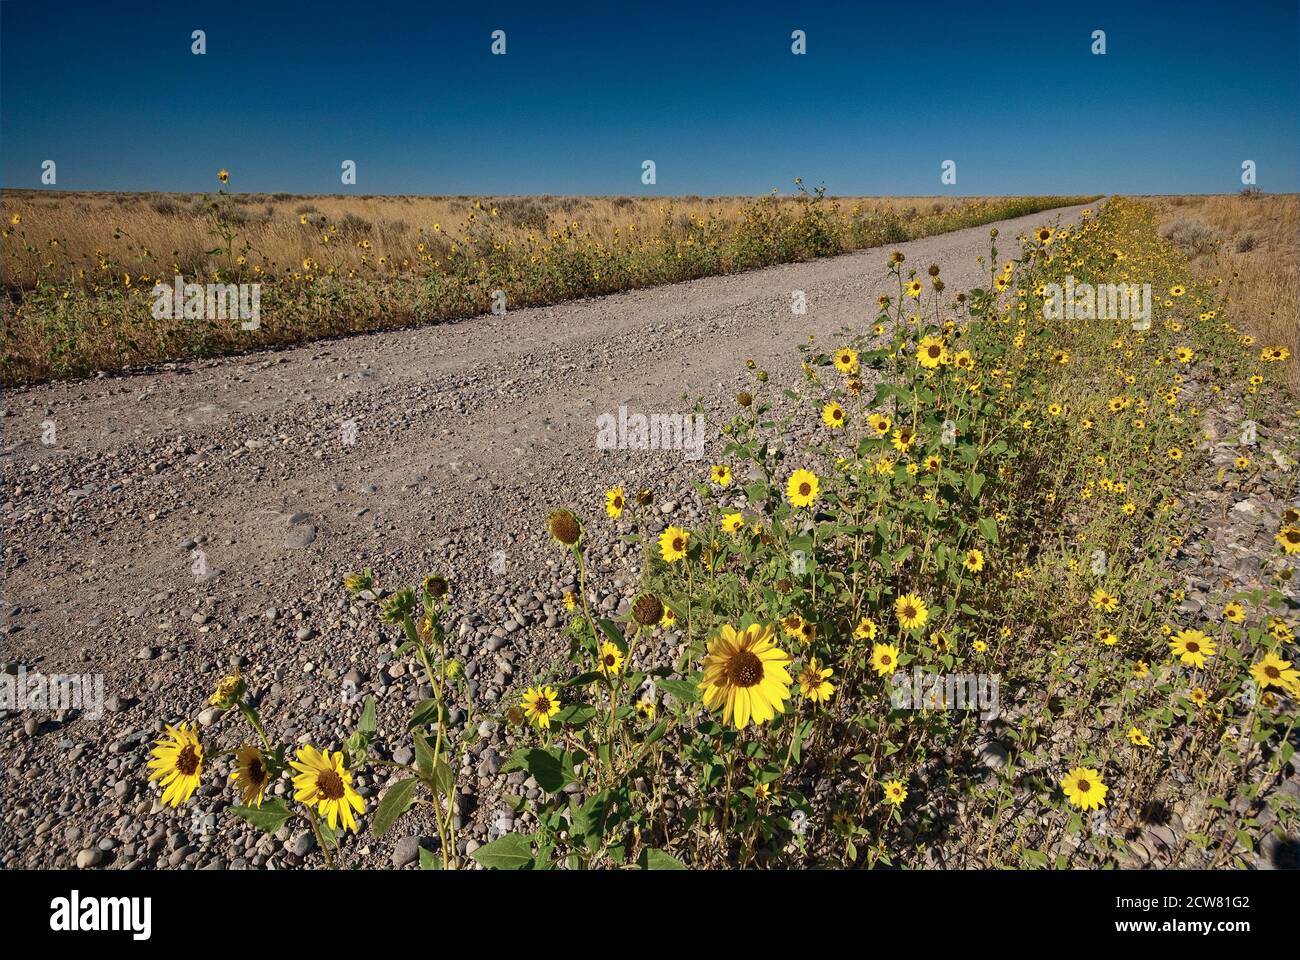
708, 90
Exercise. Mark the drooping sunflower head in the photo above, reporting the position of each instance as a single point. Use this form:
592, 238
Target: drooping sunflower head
251, 775
745, 675
177, 762
564, 527
436, 587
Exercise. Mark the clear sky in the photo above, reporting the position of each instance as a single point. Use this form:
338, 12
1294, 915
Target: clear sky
709, 90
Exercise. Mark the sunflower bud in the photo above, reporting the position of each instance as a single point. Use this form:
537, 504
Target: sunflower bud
644, 498
744, 398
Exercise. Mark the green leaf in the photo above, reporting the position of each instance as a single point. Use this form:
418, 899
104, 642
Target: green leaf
975, 483
269, 817
685, 691
514, 851
548, 767
428, 861
988, 529
575, 715
425, 713
396, 800
366, 725
652, 859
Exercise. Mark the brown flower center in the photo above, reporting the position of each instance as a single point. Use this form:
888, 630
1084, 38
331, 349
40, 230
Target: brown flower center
1193, 646
1272, 672
679, 544
187, 761
909, 611
886, 659
330, 784
745, 669
805, 489
1084, 786
934, 351
256, 773
542, 705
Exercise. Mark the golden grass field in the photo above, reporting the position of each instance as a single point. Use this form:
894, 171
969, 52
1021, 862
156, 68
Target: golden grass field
1253, 241
79, 269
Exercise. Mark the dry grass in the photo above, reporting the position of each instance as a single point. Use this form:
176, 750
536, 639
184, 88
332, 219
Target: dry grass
175, 226
1253, 242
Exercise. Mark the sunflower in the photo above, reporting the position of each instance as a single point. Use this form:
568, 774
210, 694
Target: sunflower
1101, 600
223, 175
672, 544
325, 783
930, 352
1234, 611
1044, 234
1199, 697
615, 501
1184, 355
178, 762
611, 659
745, 674
1192, 647
669, 618
1273, 671
833, 415
1174, 454
1141, 669
914, 289
1107, 637
1138, 738
884, 659
911, 611
570, 601
1177, 290
540, 704
865, 630
974, 560
645, 709
1084, 788
564, 527
801, 488
814, 683
1288, 539
895, 792
251, 775
964, 360
846, 360
932, 463
880, 424
731, 522
720, 474
227, 689
903, 439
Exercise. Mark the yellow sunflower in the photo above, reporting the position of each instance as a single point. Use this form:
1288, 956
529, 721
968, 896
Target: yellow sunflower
672, 544
1234, 612
895, 792
1288, 539
745, 675
177, 762
801, 488
731, 522
1084, 788
866, 629
1273, 671
325, 783
846, 360
911, 611
251, 775
974, 560
880, 424
540, 704
814, 683
884, 659
611, 659
615, 501
833, 415
720, 474
930, 352
1192, 647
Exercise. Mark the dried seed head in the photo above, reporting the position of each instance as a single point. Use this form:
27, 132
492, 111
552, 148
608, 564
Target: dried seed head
564, 527
647, 610
934, 270
744, 398
436, 586
783, 586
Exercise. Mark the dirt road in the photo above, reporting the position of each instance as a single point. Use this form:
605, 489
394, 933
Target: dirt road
161, 525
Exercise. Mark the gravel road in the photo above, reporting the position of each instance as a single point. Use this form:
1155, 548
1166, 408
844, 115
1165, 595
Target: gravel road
199, 515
